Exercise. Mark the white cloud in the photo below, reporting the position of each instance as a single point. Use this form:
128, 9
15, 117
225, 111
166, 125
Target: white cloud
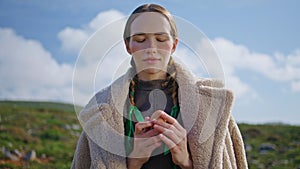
278, 68
102, 51
104, 18
28, 71
73, 39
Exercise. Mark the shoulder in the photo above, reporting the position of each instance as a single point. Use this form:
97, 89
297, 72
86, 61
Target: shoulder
95, 103
117, 87
185, 77
112, 95
103, 95
100, 97
214, 88
209, 82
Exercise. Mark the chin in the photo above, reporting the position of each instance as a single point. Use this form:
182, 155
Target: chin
153, 71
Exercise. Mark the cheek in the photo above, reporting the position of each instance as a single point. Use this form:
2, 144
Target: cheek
165, 49
134, 47
165, 46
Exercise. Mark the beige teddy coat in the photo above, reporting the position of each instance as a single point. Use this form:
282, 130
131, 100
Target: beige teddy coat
213, 136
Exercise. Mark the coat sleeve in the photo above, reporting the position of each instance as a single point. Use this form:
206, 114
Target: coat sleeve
82, 158
234, 149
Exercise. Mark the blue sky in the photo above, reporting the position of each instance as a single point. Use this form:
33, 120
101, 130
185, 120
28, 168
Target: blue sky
258, 43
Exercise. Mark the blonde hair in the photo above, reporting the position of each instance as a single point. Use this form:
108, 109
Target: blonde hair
149, 8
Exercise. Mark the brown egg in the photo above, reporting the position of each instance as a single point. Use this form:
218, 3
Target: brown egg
156, 115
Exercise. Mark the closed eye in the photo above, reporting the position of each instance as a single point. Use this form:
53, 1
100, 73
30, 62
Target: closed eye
162, 37
139, 38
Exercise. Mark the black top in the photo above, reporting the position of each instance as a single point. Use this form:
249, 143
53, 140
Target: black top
149, 97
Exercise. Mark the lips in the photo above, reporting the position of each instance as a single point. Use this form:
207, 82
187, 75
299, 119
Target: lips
151, 60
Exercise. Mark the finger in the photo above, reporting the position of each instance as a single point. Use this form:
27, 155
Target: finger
145, 147
146, 142
147, 118
173, 135
162, 127
152, 147
167, 141
150, 133
153, 142
161, 123
139, 127
169, 119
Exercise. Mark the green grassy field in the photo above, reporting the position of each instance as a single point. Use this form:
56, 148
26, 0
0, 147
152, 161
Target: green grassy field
285, 140
52, 130
48, 128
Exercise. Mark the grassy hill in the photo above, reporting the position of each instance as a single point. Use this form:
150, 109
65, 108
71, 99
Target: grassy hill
52, 130
273, 146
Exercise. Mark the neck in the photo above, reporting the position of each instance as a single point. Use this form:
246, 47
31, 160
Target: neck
148, 76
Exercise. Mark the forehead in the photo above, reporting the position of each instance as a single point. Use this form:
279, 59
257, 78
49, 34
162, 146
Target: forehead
150, 22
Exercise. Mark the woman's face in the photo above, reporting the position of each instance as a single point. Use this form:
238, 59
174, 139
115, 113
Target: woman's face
151, 45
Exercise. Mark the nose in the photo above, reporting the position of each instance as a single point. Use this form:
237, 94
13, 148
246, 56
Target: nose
151, 45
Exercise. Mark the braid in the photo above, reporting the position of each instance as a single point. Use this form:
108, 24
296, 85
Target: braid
171, 75
132, 84
132, 90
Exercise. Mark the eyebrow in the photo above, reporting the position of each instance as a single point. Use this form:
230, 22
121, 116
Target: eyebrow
158, 33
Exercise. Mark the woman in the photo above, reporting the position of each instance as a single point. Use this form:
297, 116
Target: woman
192, 127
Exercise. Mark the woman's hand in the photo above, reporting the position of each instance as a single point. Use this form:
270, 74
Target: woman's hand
174, 136
145, 141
